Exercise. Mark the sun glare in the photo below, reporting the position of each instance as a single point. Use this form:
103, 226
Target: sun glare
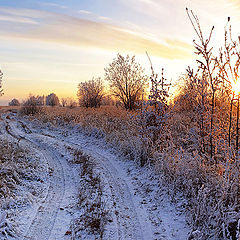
236, 87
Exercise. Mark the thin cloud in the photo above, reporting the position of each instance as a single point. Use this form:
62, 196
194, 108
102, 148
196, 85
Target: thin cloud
104, 18
93, 15
153, 8
85, 12
50, 4
63, 29
25, 12
17, 19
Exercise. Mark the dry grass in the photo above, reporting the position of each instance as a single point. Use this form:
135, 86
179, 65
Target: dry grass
4, 109
18, 171
94, 215
12, 163
115, 124
94, 117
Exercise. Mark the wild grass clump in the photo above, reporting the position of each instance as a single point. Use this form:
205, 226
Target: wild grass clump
16, 169
11, 159
113, 123
212, 192
94, 215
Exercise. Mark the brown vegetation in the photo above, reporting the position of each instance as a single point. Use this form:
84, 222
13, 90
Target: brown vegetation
90, 93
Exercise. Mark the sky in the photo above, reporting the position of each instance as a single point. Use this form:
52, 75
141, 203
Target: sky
51, 46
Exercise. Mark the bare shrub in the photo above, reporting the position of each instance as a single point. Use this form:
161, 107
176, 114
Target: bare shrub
71, 103
31, 106
64, 102
152, 118
108, 100
90, 93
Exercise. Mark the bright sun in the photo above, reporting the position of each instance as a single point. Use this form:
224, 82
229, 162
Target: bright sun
236, 87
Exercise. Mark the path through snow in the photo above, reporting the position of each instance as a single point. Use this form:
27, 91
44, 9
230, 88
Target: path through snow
138, 206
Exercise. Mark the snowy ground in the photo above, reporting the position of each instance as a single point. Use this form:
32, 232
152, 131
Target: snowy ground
138, 204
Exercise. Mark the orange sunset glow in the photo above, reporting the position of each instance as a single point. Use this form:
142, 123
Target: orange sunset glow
52, 46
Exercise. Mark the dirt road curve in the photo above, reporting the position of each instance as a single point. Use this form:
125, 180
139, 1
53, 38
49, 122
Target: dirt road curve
49, 217
131, 220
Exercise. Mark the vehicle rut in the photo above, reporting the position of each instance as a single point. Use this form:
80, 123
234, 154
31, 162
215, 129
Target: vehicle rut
59, 173
131, 223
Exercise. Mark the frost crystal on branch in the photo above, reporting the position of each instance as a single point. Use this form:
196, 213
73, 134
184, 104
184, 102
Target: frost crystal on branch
152, 117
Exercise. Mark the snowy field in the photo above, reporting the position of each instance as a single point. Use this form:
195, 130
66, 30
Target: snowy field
133, 199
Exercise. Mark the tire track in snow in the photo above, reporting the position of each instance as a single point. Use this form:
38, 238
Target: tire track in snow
133, 225
44, 220
131, 219
118, 233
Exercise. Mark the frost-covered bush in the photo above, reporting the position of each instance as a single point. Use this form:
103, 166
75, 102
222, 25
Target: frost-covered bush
14, 102
90, 93
52, 100
152, 118
31, 106
212, 192
18, 172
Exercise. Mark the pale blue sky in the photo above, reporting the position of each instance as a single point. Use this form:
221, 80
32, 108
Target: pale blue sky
50, 46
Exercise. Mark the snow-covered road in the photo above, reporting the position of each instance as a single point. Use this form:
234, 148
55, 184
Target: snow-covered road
51, 220
139, 209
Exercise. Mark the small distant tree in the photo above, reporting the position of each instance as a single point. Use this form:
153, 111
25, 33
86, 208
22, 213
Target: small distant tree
64, 102
41, 100
90, 93
72, 103
14, 102
52, 100
127, 80
1, 76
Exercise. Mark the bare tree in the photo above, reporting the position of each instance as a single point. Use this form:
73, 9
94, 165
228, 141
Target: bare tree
52, 100
90, 93
64, 102
207, 65
14, 102
228, 64
72, 103
108, 100
127, 80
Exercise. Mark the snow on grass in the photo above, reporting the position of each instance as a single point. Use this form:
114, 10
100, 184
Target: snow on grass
22, 183
157, 215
